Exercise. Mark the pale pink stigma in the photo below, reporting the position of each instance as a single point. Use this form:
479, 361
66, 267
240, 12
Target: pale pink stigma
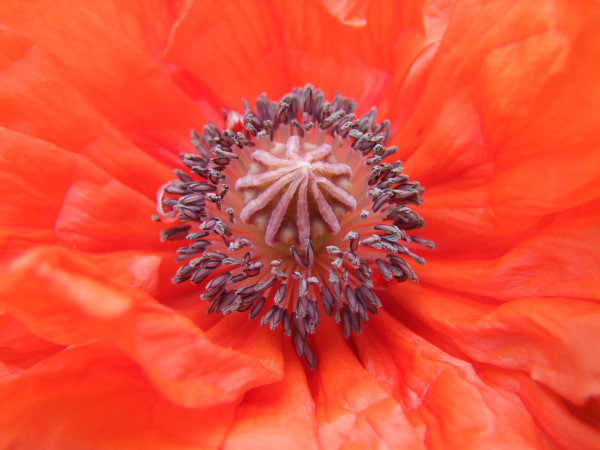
281, 190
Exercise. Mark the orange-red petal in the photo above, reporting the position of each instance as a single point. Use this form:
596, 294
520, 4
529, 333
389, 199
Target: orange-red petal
97, 397
352, 409
447, 399
126, 85
81, 306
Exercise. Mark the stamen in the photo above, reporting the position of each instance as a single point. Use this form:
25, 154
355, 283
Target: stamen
313, 197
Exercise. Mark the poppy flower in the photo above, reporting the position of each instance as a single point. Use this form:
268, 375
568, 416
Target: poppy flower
493, 106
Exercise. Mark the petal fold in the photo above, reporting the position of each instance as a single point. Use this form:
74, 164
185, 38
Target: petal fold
97, 397
81, 306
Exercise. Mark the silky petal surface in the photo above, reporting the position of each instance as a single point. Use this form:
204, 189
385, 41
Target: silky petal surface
81, 307
99, 398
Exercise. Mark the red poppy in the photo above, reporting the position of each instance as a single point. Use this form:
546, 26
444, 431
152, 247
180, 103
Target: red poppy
495, 108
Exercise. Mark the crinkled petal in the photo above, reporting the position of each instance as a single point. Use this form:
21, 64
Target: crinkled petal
282, 413
35, 177
123, 82
80, 306
97, 397
510, 99
555, 419
559, 260
551, 339
19, 348
444, 397
48, 106
352, 409
105, 217
278, 45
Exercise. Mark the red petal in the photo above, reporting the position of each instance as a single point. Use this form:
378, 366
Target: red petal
128, 87
109, 216
279, 414
80, 306
274, 46
352, 409
19, 348
551, 339
511, 96
35, 177
443, 396
48, 107
96, 397
561, 260
563, 429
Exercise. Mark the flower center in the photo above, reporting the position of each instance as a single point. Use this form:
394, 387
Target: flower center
296, 192
315, 214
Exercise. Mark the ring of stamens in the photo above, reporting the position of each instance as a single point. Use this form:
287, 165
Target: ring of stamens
314, 211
